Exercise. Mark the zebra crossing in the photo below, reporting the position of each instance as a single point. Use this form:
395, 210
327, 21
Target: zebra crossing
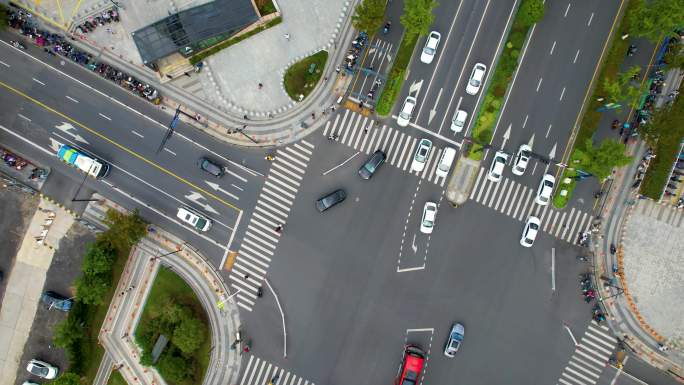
517, 201
260, 372
360, 133
272, 210
590, 358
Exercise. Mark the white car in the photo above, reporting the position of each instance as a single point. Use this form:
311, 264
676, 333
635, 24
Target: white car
530, 231
406, 111
421, 156
430, 48
476, 78
545, 189
42, 369
194, 219
445, 162
427, 223
459, 121
522, 158
497, 167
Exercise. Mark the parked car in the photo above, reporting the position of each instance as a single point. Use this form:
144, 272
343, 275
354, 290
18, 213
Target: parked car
476, 79
430, 49
545, 190
497, 167
406, 111
372, 164
427, 223
42, 369
522, 158
412, 366
454, 340
194, 218
530, 231
459, 121
331, 200
56, 301
421, 156
210, 167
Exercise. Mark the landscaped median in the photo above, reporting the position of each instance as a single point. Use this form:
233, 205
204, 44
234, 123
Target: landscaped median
301, 78
530, 12
396, 76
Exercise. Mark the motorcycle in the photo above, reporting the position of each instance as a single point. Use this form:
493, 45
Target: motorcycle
386, 28
615, 124
613, 249
16, 44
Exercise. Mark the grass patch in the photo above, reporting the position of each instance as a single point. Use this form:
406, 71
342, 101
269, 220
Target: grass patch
116, 379
198, 57
501, 78
299, 82
170, 300
396, 75
610, 68
265, 7
561, 201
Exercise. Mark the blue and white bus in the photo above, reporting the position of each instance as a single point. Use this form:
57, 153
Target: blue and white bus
84, 162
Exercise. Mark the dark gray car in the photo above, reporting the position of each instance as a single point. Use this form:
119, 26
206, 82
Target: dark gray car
331, 200
210, 167
372, 164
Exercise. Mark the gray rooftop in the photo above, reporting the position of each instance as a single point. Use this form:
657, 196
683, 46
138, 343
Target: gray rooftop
191, 26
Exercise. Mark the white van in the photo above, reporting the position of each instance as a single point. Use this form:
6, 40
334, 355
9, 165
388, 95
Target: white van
445, 162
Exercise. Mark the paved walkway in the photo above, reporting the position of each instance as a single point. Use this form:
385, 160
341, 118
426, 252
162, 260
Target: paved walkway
48, 225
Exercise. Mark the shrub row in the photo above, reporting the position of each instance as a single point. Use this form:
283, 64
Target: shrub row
396, 75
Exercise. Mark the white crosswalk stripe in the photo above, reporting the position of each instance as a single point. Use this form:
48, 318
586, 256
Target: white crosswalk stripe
360, 133
261, 372
517, 201
272, 209
590, 357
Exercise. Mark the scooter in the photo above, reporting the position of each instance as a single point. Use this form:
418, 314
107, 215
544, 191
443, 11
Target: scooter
386, 28
16, 44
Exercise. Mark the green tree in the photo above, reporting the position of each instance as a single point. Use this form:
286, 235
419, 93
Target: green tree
600, 161
174, 368
675, 57
418, 16
4, 20
67, 379
656, 18
530, 12
622, 89
189, 335
369, 16
174, 313
125, 230
98, 259
91, 289
68, 333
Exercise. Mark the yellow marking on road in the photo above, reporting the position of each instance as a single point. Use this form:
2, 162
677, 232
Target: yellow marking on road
121, 147
71, 18
43, 17
61, 11
575, 127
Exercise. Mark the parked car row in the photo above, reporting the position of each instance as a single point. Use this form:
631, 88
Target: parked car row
414, 356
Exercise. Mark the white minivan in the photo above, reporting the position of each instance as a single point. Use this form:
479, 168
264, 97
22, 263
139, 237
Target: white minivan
445, 162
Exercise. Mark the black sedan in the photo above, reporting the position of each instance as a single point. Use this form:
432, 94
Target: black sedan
372, 164
331, 200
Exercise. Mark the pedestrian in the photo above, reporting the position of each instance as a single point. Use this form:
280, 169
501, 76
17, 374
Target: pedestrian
244, 126
260, 86
365, 130
361, 105
245, 117
246, 276
337, 69
279, 228
313, 115
245, 349
325, 79
187, 74
169, 76
287, 36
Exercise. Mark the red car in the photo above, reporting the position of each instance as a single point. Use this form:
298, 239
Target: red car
412, 367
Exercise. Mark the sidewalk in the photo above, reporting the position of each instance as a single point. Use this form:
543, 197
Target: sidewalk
48, 225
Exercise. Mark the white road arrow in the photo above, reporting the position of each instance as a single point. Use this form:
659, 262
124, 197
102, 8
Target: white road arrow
531, 142
54, 144
216, 187
506, 136
413, 245
195, 197
552, 153
66, 128
433, 111
414, 90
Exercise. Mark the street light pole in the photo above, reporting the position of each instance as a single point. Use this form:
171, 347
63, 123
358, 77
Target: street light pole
81, 185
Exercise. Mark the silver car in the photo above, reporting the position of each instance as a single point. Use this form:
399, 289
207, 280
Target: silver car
454, 340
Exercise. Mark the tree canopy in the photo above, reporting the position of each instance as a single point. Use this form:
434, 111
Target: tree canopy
623, 89
418, 16
530, 12
600, 161
91, 289
656, 18
369, 16
67, 379
189, 335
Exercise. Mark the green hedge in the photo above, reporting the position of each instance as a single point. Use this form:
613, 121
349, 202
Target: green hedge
194, 59
659, 168
299, 81
501, 78
396, 76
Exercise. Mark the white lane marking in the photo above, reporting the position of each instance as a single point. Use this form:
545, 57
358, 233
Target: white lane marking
137, 134
562, 93
72, 99
566, 10
590, 19
239, 188
539, 84
23, 117
548, 130
169, 151
163, 126
576, 56
105, 116
553, 47
38, 81
5, 64
525, 122
342, 164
